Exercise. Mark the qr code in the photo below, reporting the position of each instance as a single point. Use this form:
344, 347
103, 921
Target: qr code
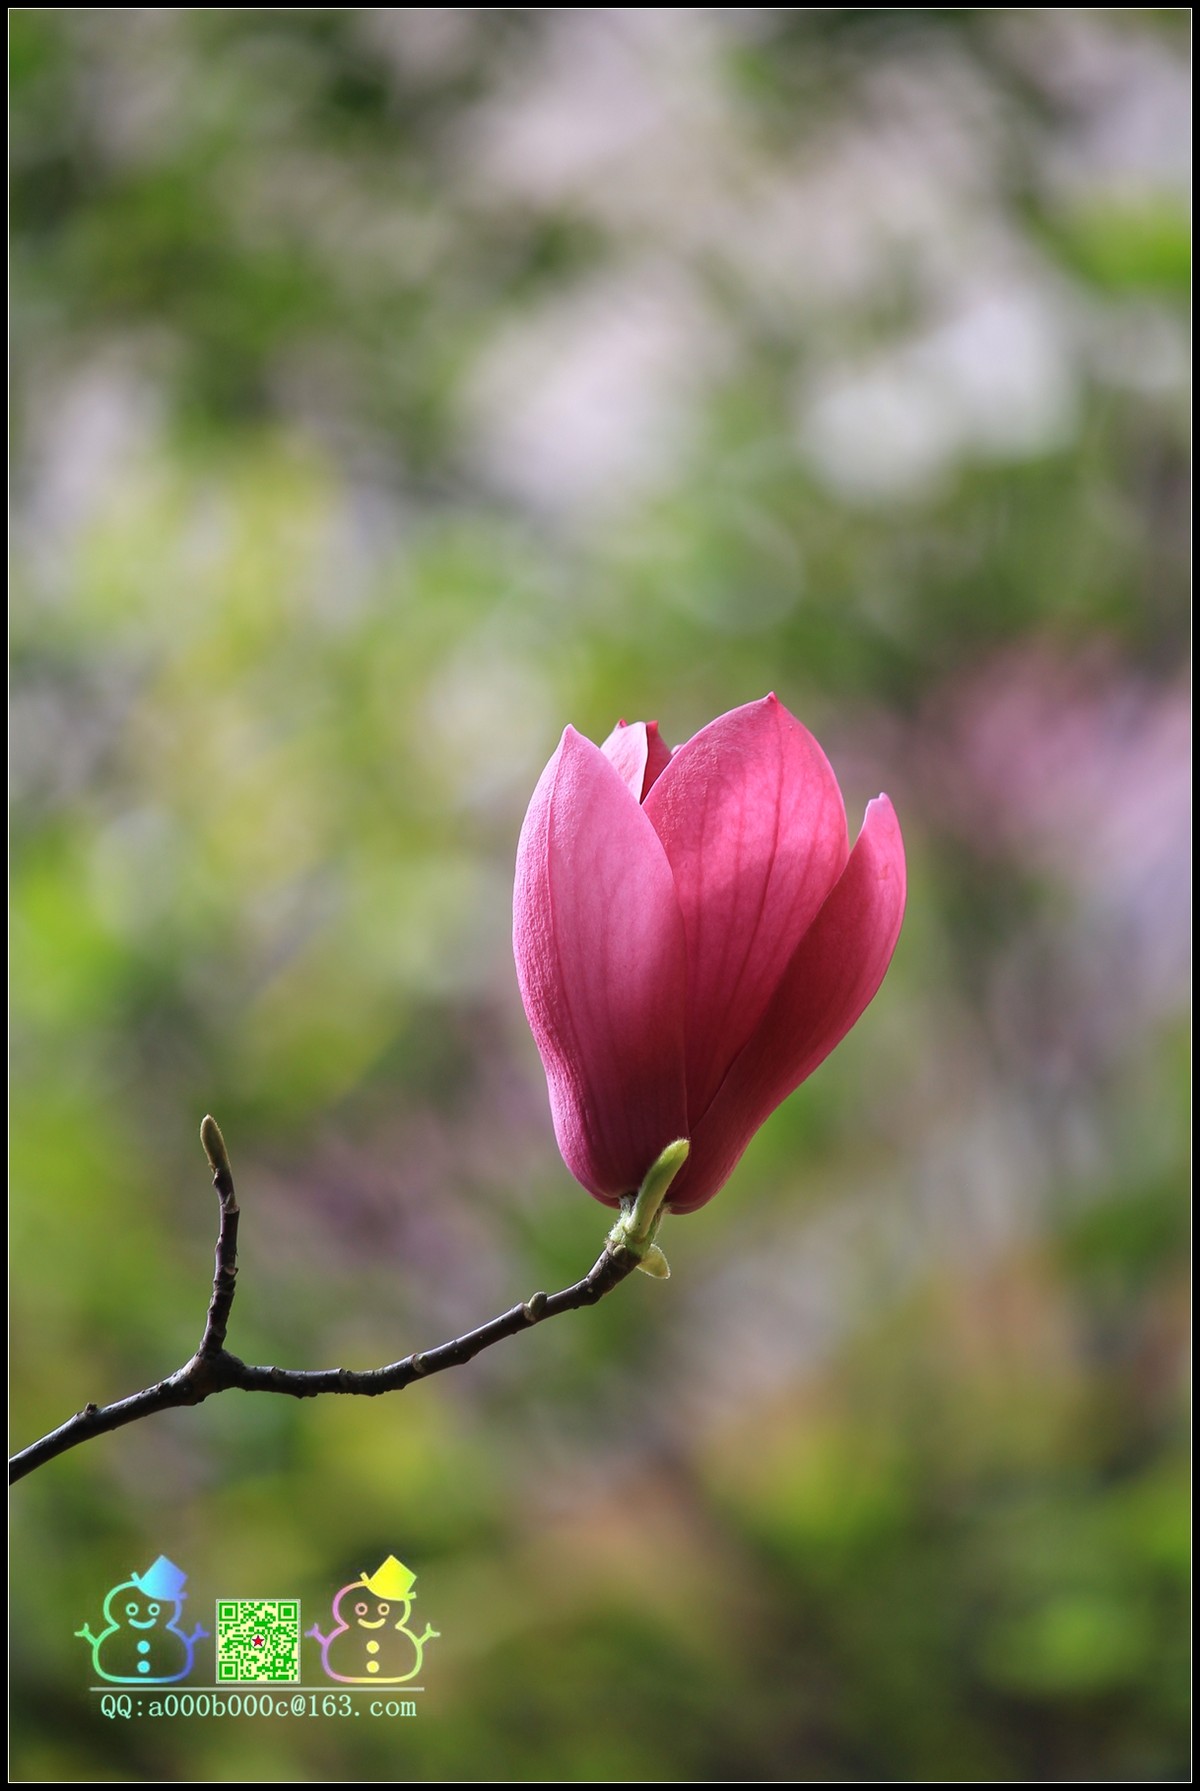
258, 1639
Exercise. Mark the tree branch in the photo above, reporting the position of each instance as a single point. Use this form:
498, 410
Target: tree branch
214, 1370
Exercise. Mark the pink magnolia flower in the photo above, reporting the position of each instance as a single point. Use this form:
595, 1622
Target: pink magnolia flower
693, 936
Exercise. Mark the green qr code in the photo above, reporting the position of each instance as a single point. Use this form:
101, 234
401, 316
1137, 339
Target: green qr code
258, 1639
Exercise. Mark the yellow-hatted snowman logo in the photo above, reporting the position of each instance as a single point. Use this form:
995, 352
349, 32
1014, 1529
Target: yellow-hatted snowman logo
369, 1643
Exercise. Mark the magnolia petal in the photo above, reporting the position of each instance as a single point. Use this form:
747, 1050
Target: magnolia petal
832, 977
599, 947
658, 757
752, 821
639, 754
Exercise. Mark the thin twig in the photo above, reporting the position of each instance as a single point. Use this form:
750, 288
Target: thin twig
225, 1271
214, 1370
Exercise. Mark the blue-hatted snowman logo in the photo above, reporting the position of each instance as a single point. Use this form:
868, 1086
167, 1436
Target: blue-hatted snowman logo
142, 1643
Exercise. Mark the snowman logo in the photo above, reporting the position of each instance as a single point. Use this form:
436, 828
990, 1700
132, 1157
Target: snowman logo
369, 1643
142, 1643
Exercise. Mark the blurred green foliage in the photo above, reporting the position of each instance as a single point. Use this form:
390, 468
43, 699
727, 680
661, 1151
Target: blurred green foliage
391, 387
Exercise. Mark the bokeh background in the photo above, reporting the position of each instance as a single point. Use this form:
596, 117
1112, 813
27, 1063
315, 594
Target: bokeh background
391, 387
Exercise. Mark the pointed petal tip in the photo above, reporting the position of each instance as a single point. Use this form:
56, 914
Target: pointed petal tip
881, 811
